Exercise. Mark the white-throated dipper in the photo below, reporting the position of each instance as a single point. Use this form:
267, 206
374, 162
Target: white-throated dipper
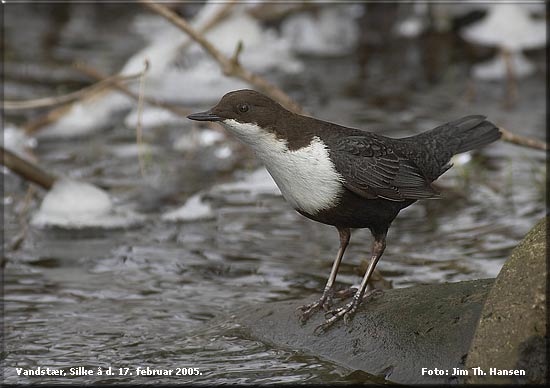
345, 177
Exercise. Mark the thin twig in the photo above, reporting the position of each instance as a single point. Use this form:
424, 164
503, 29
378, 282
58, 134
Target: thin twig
35, 124
228, 67
114, 81
523, 140
218, 17
88, 70
70, 97
237, 53
139, 138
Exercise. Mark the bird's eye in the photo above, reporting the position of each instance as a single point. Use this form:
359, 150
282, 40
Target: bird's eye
243, 108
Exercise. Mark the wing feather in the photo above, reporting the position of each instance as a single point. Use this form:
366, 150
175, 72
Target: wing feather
372, 169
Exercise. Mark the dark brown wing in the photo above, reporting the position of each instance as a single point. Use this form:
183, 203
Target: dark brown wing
372, 169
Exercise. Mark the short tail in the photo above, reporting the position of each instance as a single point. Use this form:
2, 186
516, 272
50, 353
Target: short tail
474, 132
462, 135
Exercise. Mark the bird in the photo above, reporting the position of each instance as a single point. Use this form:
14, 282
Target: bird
345, 177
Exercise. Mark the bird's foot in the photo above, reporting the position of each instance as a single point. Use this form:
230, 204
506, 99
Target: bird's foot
346, 312
306, 311
325, 302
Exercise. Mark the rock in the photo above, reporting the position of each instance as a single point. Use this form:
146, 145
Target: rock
512, 334
394, 335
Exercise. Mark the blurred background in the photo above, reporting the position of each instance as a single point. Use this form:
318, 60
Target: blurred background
148, 229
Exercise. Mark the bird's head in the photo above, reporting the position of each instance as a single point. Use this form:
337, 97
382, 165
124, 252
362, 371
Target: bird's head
245, 113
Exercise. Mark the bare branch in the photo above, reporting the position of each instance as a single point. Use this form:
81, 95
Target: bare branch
124, 89
522, 140
70, 97
213, 21
26, 169
228, 67
218, 17
35, 124
54, 114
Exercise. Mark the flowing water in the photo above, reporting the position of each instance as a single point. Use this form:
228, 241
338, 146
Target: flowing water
156, 294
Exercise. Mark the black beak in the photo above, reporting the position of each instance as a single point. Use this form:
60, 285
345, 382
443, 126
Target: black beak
204, 116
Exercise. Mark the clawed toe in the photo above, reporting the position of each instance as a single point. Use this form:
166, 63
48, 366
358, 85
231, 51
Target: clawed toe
306, 311
331, 317
336, 316
373, 294
345, 312
321, 328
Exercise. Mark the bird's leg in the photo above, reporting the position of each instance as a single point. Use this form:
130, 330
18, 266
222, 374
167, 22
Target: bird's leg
347, 311
326, 299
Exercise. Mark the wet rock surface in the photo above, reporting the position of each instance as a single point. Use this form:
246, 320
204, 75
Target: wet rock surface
512, 328
392, 336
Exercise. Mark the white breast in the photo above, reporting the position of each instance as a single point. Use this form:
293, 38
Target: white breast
306, 176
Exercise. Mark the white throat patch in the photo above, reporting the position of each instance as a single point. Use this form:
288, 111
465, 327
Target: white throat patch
306, 177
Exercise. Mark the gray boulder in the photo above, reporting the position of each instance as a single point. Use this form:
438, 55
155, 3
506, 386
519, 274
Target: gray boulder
511, 335
393, 336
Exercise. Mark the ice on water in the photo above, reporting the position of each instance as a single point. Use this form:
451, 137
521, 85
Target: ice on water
73, 204
193, 209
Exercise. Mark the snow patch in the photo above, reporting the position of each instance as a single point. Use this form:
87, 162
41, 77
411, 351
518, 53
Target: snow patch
17, 141
193, 209
73, 204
